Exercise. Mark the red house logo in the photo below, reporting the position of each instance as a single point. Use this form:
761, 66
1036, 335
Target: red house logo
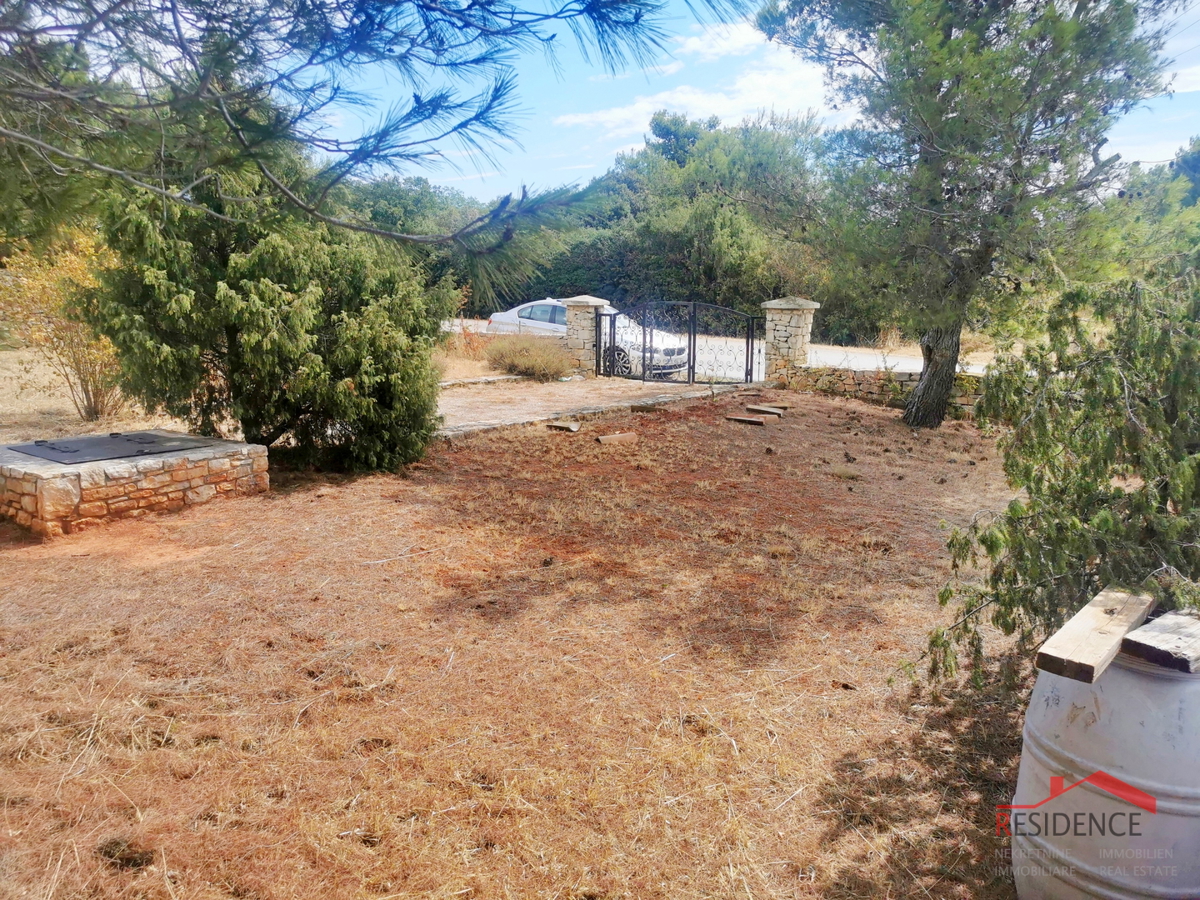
1030, 819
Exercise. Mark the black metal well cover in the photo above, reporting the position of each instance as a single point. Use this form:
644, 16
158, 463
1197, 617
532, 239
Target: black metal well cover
117, 445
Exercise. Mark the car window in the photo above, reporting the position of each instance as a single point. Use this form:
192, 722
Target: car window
539, 313
560, 315
525, 313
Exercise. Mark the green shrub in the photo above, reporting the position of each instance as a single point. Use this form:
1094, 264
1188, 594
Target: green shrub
542, 358
1099, 427
315, 341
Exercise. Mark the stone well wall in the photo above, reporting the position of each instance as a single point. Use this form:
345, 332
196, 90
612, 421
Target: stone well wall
52, 499
886, 387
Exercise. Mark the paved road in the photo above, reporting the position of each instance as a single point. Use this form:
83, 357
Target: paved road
868, 358
724, 358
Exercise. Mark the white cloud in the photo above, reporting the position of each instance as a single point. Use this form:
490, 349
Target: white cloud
666, 69
662, 70
718, 41
776, 80
1181, 49
1149, 152
611, 76
1186, 79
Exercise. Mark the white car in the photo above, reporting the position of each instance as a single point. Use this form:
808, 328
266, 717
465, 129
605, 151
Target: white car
622, 337
539, 317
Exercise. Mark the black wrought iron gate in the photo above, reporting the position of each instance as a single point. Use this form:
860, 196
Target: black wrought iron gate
681, 342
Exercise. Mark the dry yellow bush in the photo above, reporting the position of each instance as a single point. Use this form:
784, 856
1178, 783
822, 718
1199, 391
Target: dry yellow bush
469, 344
39, 303
541, 358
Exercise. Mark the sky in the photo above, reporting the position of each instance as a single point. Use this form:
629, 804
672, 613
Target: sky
573, 122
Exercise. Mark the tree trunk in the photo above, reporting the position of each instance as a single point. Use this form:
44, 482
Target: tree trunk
927, 404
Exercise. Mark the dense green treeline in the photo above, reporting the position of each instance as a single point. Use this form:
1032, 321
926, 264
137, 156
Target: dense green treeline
682, 219
738, 215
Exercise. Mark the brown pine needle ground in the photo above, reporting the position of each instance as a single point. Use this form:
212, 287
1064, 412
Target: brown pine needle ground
532, 667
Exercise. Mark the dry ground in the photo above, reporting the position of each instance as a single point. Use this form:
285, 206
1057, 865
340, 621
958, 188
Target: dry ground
34, 404
463, 355
459, 367
532, 667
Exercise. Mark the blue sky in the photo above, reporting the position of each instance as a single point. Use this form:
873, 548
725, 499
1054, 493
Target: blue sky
572, 123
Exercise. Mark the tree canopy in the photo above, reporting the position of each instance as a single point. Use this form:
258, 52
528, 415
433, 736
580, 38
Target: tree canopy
168, 95
1106, 448
1100, 431
684, 218
982, 132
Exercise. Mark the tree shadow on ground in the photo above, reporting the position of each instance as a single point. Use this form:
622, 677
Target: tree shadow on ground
12, 535
916, 818
286, 481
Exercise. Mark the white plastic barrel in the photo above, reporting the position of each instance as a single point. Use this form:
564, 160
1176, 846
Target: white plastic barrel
1138, 726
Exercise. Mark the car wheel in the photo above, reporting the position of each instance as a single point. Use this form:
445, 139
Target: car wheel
617, 362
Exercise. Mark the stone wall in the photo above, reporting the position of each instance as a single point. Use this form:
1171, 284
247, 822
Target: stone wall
886, 387
52, 499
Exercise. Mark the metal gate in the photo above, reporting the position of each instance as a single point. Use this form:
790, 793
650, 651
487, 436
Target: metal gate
680, 342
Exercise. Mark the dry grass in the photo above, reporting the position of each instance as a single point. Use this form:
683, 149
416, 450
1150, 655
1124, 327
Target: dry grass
541, 358
534, 667
34, 404
463, 356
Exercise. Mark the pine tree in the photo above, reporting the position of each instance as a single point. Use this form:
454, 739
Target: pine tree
165, 95
981, 122
1100, 429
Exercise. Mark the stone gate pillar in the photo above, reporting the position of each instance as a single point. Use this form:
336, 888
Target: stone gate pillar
788, 330
581, 332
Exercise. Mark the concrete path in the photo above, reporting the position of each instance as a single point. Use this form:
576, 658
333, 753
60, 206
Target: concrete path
468, 407
479, 407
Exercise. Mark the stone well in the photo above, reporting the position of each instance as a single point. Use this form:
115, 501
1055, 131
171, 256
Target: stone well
52, 498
